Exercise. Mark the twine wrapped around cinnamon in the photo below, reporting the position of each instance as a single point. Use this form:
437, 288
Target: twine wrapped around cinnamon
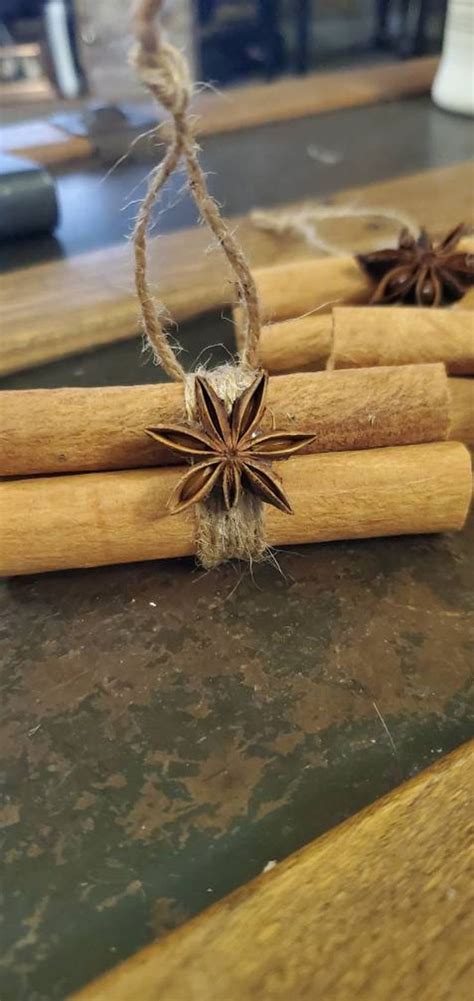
221, 535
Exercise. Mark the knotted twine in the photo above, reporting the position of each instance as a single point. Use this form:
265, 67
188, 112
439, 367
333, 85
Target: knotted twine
220, 535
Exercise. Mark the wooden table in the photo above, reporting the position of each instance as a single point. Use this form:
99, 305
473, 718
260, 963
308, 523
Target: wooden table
166, 734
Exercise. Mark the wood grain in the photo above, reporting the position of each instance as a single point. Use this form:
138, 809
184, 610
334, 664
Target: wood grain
77, 430
62, 307
380, 908
94, 519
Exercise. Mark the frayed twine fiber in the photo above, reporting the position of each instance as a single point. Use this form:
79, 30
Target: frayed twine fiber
220, 535
239, 533
302, 223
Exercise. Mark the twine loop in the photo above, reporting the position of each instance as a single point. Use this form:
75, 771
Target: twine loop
163, 69
220, 535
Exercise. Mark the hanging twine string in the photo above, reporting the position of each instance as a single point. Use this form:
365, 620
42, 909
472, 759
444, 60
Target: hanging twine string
220, 534
303, 223
163, 69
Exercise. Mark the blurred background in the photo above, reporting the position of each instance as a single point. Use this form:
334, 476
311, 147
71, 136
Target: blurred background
120, 821
72, 107
56, 51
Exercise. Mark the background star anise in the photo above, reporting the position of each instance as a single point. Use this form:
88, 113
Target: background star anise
233, 455
420, 271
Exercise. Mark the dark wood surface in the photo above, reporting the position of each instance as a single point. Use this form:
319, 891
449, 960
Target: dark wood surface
165, 734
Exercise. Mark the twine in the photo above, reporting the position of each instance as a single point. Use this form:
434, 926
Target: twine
302, 223
220, 535
238, 533
163, 69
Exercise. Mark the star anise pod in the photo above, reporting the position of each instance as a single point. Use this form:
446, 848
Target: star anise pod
232, 455
420, 271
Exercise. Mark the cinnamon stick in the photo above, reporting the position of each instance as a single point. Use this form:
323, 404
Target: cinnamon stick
298, 345
467, 301
93, 519
315, 286
308, 286
73, 430
359, 337
403, 336
462, 410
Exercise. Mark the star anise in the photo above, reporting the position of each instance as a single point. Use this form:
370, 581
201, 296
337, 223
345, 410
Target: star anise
420, 271
233, 455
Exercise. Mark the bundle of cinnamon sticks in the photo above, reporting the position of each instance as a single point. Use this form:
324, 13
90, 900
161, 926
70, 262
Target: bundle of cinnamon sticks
87, 486
316, 317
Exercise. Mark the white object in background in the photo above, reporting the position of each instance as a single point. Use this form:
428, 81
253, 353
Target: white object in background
453, 87
57, 31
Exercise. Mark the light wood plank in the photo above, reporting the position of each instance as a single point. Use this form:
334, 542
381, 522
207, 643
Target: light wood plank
380, 908
248, 106
298, 97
